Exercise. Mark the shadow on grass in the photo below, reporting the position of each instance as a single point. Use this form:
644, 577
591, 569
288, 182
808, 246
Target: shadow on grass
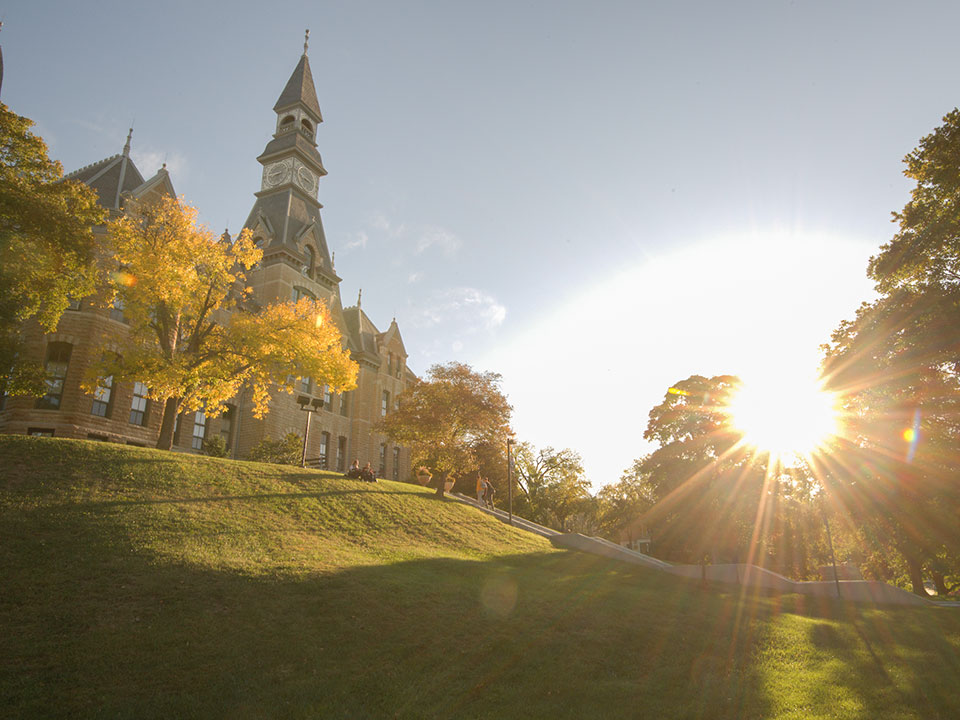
91, 624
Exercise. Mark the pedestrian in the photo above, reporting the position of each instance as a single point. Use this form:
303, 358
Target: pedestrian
488, 497
481, 488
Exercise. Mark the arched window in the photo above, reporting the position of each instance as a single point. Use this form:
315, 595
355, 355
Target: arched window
57, 361
286, 122
311, 260
307, 127
300, 292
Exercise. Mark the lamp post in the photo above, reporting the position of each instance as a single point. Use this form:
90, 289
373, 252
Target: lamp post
310, 407
510, 442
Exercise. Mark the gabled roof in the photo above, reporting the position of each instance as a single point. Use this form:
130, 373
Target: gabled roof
300, 89
160, 184
392, 332
363, 333
110, 178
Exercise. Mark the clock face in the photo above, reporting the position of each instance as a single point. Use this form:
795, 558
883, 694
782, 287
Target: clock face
276, 174
306, 179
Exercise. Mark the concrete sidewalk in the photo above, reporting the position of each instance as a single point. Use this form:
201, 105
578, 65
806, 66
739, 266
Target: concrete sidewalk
733, 574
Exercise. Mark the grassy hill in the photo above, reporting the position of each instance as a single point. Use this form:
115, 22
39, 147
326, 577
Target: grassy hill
141, 584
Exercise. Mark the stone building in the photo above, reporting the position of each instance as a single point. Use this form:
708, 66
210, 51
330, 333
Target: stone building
286, 223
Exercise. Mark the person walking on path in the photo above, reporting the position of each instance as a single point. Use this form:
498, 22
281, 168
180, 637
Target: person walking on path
481, 488
488, 496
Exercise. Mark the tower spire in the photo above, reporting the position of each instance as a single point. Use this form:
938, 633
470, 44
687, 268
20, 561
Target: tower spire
306, 41
126, 146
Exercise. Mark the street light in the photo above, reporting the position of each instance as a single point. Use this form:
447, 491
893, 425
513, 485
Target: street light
510, 442
310, 407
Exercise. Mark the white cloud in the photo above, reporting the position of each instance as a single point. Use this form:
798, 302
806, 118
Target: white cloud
414, 240
466, 310
150, 161
437, 237
414, 277
357, 241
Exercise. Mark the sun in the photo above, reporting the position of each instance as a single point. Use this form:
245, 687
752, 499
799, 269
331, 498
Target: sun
785, 418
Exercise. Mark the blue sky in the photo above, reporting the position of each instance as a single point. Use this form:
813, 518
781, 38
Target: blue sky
594, 199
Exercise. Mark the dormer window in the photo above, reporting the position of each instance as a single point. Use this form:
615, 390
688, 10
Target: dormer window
311, 261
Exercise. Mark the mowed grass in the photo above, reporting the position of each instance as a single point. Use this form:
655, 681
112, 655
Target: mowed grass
140, 584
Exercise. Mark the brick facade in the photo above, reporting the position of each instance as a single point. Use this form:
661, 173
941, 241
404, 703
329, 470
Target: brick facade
285, 221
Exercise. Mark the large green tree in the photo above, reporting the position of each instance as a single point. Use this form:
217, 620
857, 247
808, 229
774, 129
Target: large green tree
896, 364
194, 340
709, 493
554, 488
450, 418
48, 249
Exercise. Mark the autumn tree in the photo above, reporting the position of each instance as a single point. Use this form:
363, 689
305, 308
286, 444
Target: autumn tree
623, 503
447, 418
896, 365
194, 339
553, 485
48, 249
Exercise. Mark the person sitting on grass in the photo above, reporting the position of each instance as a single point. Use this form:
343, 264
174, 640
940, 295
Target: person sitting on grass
354, 471
367, 474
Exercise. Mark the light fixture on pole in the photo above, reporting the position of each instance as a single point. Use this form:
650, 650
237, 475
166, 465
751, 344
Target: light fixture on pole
510, 442
310, 407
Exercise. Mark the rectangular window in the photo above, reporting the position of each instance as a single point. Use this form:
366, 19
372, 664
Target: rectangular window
226, 424
140, 405
345, 404
199, 430
116, 310
324, 444
40, 432
396, 463
58, 358
399, 367
384, 403
305, 385
101, 397
342, 454
390, 364
383, 461
326, 397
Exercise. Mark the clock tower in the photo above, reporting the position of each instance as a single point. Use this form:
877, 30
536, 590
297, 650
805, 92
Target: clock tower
285, 219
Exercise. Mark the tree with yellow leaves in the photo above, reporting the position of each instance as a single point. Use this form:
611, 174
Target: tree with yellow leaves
48, 250
195, 339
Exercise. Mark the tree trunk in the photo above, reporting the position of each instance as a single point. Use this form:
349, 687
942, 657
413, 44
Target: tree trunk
940, 583
170, 409
441, 482
915, 568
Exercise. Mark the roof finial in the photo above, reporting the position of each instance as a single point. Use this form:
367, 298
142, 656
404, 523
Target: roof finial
126, 147
333, 259
359, 295
306, 41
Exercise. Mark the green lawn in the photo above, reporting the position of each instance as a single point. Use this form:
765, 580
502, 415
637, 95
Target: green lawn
141, 584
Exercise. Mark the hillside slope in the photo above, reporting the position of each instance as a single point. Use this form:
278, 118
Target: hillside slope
144, 584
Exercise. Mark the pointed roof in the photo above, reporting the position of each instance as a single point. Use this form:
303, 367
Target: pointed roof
300, 89
360, 330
